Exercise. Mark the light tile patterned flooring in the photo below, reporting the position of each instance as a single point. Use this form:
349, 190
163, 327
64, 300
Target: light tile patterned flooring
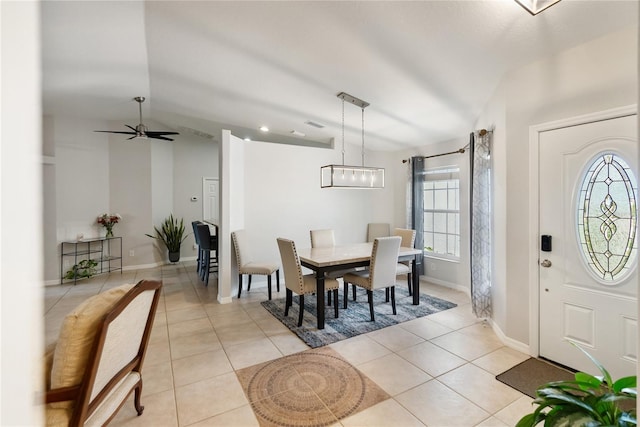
440, 369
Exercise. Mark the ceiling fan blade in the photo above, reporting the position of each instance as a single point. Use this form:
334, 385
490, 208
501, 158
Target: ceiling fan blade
115, 131
134, 136
132, 128
160, 132
159, 137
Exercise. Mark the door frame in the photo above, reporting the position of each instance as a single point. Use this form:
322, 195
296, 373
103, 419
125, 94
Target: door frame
534, 202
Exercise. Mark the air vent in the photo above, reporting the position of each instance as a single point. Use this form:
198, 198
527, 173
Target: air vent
297, 133
314, 124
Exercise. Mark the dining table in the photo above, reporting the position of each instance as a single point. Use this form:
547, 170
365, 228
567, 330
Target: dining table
325, 260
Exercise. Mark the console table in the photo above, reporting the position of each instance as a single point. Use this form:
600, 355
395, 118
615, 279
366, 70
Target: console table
105, 251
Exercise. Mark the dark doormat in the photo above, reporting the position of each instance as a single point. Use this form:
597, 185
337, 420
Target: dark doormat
527, 376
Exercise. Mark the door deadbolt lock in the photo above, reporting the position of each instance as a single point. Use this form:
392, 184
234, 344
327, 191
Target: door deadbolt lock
546, 263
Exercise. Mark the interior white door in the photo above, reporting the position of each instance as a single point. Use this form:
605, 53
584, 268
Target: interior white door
211, 200
588, 281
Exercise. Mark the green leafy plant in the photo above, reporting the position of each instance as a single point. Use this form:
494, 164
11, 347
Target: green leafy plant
171, 233
84, 269
588, 401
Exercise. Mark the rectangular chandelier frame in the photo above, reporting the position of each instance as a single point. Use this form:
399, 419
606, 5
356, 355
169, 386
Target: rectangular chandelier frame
361, 177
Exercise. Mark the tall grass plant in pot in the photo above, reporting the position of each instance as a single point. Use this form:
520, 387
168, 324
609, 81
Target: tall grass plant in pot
171, 233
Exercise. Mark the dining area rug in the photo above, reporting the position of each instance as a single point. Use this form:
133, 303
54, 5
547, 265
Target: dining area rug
356, 319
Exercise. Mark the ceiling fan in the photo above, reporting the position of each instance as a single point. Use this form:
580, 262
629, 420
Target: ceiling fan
141, 130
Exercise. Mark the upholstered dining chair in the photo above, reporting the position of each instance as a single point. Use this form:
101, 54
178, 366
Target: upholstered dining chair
326, 239
97, 361
377, 229
301, 284
408, 240
247, 266
381, 272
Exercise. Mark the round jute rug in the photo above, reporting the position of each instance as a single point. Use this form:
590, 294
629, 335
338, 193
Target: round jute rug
313, 388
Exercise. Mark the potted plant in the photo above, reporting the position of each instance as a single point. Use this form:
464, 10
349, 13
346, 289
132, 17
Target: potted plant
587, 401
171, 234
84, 269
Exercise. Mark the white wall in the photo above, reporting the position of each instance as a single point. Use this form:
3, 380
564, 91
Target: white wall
21, 297
595, 76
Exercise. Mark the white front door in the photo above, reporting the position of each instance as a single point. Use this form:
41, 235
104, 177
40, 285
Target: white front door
210, 200
588, 280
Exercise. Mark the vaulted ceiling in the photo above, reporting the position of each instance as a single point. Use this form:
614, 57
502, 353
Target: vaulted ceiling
426, 67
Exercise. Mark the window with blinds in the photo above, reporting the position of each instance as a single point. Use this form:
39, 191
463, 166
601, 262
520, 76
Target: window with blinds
442, 213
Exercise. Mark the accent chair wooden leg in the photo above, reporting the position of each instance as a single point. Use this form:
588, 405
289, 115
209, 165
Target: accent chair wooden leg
370, 298
329, 298
239, 284
393, 299
409, 284
301, 310
136, 399
249, 284
345, 294
335, 302
386, 295
288, 301
278, 280
269, 285
354, 291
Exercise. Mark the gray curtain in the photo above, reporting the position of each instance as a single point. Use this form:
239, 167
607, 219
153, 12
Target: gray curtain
481, 234
417, 206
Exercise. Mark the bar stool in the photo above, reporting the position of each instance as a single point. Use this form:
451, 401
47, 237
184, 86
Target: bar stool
209, 248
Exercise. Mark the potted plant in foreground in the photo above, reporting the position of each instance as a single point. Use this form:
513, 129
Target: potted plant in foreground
171, 234
587, 401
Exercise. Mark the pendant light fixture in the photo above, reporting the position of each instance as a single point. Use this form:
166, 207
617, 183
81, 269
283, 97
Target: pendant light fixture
341, 176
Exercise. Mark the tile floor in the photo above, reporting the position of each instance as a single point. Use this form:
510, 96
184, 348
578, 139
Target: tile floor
440, 369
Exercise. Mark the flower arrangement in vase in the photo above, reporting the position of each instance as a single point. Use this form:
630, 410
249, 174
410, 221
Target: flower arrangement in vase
108, 221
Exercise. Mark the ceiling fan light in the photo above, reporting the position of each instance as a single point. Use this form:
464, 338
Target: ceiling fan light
536, 6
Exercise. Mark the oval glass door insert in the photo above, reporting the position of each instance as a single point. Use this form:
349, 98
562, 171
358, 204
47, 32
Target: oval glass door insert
606, 218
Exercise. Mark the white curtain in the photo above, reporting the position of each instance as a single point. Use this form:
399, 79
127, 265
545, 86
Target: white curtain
480, 145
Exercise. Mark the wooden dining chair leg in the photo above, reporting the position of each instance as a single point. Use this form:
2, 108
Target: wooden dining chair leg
386, 295
301, 310
288, 302
393, 299
354, 291
335, 302
239, 284
370, 298
269, 285
249, 284
409, 284
329, 298
278, 280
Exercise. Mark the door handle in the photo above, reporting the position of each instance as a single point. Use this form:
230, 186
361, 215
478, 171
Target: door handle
546, 263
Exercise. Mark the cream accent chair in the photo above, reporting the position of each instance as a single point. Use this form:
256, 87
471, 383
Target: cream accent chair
97, 360
247, 266
298, 283
381, 272
377, 229
408, 240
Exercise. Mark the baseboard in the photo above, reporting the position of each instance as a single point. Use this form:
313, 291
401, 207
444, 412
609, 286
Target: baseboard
224, 300
446, 284
509, 342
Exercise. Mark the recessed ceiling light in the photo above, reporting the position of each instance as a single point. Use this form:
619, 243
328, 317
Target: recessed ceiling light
264, 129
298, 133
